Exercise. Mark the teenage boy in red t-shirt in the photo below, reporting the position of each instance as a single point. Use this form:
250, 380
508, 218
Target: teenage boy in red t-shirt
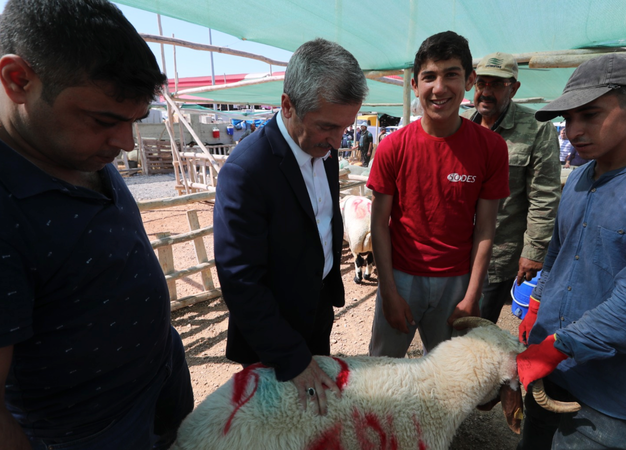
437, 183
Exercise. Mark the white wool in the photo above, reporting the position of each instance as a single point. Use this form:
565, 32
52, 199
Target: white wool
356, 215
383, 399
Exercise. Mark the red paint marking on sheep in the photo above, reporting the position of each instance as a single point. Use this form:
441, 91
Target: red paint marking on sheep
344, 373
418, 428
370, 421
359, 428
329, 440
359, 209
241, 381
393, 445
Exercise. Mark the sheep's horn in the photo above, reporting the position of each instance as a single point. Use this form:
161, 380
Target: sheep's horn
546, 402
472, 322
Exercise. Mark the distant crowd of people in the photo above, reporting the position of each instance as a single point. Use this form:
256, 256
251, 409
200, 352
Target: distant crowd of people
463, 207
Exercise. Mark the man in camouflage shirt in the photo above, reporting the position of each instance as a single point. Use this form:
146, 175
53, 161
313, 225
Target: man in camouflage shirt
525, 218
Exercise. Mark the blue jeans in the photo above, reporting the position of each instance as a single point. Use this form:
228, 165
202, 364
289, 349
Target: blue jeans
431, 299
586, 429
152, 421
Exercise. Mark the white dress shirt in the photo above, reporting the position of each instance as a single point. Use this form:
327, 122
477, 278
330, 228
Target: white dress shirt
316, 182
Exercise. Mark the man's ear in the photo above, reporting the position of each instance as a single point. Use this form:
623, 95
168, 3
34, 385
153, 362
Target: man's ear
17, 77
469, 83
414, 87
287, 106
514, 87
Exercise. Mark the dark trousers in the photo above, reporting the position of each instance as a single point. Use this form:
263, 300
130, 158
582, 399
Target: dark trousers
365, 158
495, 295
586, 429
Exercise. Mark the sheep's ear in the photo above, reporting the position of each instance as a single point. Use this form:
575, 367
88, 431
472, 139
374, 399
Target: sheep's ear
489, 405
512, 406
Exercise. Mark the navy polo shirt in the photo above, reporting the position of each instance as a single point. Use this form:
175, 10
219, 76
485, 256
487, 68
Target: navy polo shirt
83, 300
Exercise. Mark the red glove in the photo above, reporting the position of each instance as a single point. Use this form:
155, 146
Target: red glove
529, 320
538, 361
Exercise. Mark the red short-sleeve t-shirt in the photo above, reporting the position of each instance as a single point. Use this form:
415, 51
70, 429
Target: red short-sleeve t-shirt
436, 184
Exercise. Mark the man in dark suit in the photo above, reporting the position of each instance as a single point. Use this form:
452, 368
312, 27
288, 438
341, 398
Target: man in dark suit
277, 224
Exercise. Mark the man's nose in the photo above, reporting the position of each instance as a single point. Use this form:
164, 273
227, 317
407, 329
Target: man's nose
439, 85
335, 139
573, 130
122, 137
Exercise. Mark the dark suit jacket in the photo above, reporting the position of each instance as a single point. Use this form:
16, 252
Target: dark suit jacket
268, 253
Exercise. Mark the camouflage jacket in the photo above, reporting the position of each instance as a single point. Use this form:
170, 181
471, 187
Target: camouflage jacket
525, 218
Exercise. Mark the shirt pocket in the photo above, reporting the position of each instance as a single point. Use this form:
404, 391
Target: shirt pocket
610, 251
519, 160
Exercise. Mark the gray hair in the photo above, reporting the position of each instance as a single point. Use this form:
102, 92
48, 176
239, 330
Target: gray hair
323, 69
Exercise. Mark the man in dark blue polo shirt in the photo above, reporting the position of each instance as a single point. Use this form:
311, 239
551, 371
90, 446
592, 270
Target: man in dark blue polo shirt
88, 357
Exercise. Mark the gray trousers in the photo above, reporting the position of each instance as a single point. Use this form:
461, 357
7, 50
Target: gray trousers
432, 300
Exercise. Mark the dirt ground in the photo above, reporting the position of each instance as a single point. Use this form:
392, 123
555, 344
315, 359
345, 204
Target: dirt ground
203, 329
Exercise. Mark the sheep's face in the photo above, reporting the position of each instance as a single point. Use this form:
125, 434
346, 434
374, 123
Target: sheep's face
508, 391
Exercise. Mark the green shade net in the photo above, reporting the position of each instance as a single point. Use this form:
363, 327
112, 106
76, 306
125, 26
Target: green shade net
385, 36
269, 94
534, 83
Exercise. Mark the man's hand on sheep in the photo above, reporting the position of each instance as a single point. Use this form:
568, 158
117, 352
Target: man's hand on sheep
466, 307
316, 378
397, 311
529, 320
538, 361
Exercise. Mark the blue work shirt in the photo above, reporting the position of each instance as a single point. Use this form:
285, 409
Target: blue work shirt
582, 290
83, 300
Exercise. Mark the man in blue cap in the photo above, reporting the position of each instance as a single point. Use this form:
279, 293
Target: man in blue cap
576, 324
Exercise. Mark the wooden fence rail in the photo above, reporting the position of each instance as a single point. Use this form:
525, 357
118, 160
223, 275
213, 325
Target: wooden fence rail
163, 247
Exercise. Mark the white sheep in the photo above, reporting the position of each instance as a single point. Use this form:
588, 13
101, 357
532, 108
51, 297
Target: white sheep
356, 213
386, 403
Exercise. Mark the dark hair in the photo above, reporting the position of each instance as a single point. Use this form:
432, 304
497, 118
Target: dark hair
620, 93
321, 68
442, 47
73, 42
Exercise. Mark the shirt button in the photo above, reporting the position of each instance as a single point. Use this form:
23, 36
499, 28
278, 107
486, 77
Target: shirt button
318, 221
620, 231
584, 224
593, 190
319, 199
562, 319
569, 288
576, 257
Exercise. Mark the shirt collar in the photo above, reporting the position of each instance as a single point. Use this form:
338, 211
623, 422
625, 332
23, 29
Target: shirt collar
588, 175
302, 157
477, 118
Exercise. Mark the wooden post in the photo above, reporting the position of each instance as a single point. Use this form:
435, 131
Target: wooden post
166, 259
194, 224
179, 171
173, 105
406, 95
141, 154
